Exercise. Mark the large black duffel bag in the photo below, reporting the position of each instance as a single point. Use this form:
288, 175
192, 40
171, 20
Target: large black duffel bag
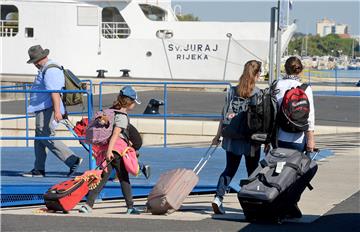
276, 185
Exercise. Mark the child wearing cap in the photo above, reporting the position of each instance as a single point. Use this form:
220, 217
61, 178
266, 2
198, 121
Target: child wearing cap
126, 101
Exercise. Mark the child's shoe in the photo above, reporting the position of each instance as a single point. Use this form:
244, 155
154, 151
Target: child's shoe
85, 209
133, 211
146, 170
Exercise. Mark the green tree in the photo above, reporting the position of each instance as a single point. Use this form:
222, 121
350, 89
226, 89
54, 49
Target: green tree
187, 17
331, 45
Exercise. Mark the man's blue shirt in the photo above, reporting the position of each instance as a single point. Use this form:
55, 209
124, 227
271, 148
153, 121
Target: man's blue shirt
53, 80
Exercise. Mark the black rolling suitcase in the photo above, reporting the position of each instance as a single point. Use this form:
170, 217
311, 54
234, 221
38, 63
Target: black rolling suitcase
274, 188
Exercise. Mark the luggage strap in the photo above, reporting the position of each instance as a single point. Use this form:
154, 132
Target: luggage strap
310, 187
266, 167
263, 163
261, 176
206, 157
294, 166
263, 179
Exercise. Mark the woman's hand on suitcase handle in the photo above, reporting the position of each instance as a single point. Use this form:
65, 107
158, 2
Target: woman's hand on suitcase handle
316, 151
216, 140
109, 155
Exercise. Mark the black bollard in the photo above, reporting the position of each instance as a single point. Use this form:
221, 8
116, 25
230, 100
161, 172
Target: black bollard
153, 106
125, 72
101, 73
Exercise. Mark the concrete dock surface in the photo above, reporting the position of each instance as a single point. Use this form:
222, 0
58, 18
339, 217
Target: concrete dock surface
333, 205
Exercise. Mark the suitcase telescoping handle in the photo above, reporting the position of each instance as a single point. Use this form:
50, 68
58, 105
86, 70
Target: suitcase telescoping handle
107, 164
206, 157
316, 151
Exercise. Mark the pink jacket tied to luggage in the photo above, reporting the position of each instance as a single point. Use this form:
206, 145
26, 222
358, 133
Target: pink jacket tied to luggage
127, 153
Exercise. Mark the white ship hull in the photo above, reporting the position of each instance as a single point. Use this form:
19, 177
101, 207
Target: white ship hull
193, 50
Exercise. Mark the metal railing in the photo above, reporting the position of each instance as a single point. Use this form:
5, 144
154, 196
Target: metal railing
26, 91
8, 28
115, 30
335, 78
165, 115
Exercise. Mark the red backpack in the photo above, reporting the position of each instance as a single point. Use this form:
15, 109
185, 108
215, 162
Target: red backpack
294, 110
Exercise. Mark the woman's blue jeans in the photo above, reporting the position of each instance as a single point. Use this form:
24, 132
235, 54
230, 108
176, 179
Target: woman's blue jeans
232, 165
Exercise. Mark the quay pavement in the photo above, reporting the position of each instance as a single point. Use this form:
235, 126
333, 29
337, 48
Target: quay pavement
333, 205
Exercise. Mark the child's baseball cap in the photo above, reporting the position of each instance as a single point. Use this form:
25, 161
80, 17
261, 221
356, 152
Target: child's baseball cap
130, 92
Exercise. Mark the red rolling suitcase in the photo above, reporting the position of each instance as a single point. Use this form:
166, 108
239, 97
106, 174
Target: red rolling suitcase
174, 186
67, 194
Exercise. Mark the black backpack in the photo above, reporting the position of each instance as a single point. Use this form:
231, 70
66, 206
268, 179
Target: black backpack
261, 115
72, 82
235, 116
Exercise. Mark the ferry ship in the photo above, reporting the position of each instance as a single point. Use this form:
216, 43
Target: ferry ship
143, 36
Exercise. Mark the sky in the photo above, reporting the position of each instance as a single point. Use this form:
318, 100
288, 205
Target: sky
306, 12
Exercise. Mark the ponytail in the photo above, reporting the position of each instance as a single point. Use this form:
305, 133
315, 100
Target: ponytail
247, 80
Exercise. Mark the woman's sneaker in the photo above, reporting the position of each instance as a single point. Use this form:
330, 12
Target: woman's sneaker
85, 209
217, 206
133, 211
34, 173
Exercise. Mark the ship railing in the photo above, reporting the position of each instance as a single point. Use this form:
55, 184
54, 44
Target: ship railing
166, 114
26, 90
115, 30
8, 28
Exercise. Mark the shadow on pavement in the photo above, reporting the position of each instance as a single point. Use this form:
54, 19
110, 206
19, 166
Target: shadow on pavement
334, 222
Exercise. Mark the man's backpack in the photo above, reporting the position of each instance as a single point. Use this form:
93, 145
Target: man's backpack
72, 82
262, 111
101, 126
234, 123
294, 110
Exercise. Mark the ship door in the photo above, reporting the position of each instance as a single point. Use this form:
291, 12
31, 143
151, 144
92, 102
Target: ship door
113, 24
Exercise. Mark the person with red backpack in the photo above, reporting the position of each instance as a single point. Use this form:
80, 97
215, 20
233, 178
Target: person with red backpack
117, 125
296, 122
296, 117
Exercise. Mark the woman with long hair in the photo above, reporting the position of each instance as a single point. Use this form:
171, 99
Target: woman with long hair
236, 147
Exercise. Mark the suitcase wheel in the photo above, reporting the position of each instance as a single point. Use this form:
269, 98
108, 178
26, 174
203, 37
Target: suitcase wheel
65, 212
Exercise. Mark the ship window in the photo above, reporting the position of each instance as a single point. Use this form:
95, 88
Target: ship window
9, 21
113, 24
87, 16
153, 13
29, 32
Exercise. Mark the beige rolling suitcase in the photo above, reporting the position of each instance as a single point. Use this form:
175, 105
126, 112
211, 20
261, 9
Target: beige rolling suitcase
174, 186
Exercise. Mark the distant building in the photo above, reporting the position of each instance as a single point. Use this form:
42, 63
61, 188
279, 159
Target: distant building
341, 29
325, 27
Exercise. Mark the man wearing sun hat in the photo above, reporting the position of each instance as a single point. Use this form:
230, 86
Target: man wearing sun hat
48, 109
